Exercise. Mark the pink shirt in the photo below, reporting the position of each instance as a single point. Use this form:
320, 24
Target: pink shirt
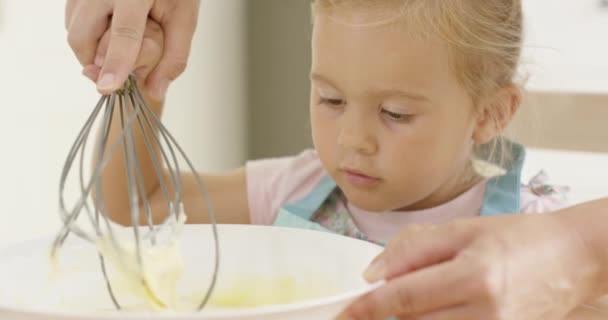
272, 183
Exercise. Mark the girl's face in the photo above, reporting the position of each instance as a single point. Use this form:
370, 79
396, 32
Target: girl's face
391, 123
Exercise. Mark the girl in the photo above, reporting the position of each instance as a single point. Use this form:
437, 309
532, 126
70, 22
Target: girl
408, 102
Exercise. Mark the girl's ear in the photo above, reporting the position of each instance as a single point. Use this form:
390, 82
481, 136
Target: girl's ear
495, 113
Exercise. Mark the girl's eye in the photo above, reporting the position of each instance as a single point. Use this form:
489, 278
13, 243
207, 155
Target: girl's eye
397, 117
331, 102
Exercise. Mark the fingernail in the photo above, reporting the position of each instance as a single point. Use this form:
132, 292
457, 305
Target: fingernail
376, 271
106, 82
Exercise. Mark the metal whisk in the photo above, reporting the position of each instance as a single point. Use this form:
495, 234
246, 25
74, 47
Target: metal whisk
134, 114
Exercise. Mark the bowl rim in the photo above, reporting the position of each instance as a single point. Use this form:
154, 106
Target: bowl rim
214, 313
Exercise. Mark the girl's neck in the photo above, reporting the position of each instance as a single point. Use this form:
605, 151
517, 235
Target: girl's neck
449, 191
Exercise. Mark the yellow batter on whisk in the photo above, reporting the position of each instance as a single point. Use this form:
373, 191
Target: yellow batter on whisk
155, 278
137, 267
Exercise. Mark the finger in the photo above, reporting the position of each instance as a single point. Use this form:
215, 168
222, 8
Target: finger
415, 249
433, 288
92, 72
152, 46
150, 51
462, 312
128, 24
151, 55
102, 49
179, 31
87, 24
69, 10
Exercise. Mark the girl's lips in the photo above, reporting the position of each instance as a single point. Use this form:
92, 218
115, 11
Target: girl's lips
358, 178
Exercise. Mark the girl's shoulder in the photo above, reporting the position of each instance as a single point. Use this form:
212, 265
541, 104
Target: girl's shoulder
274, 182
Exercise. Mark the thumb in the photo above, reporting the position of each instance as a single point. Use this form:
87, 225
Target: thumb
419, 247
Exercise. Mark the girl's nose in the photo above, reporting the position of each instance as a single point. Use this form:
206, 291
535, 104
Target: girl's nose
356, 137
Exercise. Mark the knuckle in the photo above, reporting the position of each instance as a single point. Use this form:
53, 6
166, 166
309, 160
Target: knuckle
176, 67
75, 41
80, 47
490, 277
69, 10
126, 32
404, 301
153, 26
485, 284
149, 47
193, 20
117, 64
361, 309
67, 22
494, 312
396, 247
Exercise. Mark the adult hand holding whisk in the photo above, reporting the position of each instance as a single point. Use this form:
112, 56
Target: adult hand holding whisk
135, 157
149, 56
86, 21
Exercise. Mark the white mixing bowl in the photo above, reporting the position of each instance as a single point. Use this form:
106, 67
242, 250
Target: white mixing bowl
321, 272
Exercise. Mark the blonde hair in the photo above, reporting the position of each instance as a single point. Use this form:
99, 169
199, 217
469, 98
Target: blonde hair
483, 39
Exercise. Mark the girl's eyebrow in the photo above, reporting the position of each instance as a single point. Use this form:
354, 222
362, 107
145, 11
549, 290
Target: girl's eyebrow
383, 92
402, 93
319, 78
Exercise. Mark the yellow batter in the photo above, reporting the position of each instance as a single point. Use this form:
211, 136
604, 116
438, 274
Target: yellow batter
153, 279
